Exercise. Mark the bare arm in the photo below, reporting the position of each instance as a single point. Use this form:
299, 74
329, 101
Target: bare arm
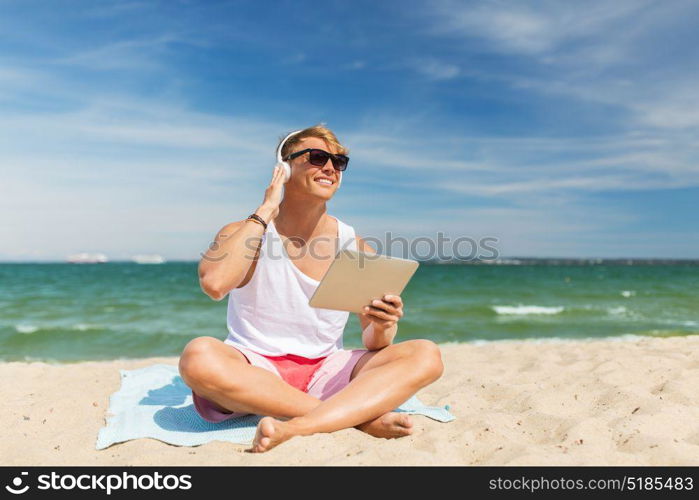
379, 321
229, 258
224, 266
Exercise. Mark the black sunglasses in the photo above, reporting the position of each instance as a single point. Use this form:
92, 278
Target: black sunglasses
319, 158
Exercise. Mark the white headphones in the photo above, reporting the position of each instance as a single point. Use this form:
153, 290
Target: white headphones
285, 165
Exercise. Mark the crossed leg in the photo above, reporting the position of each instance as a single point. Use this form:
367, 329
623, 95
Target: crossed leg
221, 374
380, 381
389, 378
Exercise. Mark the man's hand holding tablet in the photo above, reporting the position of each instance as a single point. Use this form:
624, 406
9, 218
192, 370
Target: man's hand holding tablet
385, 312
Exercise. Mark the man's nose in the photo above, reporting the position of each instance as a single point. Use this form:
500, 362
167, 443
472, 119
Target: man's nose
328, 168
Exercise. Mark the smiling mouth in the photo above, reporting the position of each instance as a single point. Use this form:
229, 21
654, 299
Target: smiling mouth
325, 182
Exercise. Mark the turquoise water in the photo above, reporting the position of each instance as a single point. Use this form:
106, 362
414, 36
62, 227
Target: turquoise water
64, 312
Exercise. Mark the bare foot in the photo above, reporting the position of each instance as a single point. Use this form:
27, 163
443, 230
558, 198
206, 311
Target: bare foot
390, 425
270, 433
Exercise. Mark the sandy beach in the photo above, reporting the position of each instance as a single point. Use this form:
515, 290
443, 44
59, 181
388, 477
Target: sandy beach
609, 402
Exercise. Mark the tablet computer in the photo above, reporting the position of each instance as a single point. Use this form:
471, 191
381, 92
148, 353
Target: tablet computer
355, 278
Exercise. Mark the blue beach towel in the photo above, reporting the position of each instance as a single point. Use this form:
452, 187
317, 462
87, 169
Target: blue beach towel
154, 402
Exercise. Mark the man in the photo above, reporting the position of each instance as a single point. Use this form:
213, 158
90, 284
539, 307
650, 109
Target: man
282, 357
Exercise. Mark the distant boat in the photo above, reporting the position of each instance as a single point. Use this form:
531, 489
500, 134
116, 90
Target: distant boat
148, 259
87, 258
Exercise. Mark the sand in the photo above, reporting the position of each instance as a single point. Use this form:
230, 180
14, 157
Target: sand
630, 402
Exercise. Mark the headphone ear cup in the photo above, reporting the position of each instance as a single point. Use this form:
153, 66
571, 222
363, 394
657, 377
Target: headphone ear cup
286, 168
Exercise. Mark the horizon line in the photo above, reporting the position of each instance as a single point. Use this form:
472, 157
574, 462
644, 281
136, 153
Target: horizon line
449, 260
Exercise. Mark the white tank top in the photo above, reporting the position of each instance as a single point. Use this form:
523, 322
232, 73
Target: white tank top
270, 314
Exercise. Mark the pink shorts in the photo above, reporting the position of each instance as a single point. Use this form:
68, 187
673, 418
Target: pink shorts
332, 376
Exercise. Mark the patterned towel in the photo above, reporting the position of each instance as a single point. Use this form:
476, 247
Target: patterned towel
154, 402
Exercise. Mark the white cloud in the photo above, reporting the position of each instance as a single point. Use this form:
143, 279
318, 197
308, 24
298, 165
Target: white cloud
116, 8
538, 28
130, 54
435, 69
296, 58
633, 55
355, 65
122, 174
502, 167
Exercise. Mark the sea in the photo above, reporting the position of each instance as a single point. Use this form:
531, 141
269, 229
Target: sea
74, 312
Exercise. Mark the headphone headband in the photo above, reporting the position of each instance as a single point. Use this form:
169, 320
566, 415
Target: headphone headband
281, 145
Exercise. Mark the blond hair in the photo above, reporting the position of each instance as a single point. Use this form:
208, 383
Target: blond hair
321, 132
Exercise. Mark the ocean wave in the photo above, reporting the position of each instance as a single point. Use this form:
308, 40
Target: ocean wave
617, 311
527, 310
82, 327
628, 293
24, 328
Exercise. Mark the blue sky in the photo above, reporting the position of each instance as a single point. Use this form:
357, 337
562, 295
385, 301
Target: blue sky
561, 128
